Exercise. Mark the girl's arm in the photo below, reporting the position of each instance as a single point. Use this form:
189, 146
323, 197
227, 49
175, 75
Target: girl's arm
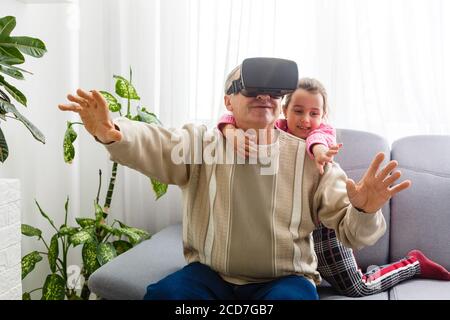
324, 135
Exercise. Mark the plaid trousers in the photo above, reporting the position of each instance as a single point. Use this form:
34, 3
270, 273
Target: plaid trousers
337, 265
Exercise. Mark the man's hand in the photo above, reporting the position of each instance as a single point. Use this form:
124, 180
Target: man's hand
374, 190
94, 112
323, 155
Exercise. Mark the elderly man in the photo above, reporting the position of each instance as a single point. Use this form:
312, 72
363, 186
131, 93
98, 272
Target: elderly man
246, 235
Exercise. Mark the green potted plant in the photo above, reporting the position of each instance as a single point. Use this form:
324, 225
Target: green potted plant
101, 241
12, 49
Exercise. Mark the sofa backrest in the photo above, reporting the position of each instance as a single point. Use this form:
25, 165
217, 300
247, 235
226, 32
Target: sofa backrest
420, 215
357, 153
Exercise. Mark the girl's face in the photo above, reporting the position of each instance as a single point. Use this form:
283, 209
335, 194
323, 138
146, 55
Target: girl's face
304, 113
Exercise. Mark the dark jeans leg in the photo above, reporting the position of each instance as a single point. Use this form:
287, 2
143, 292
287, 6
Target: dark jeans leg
286, 288
195, 281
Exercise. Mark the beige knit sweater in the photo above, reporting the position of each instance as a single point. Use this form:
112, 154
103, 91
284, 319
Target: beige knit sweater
248, 226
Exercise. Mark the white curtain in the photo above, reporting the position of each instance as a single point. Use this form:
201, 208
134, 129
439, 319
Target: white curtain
384, 63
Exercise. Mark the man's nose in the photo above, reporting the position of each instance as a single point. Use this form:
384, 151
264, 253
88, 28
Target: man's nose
263, 97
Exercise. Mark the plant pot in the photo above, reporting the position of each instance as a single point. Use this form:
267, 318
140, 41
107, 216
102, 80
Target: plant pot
10, 237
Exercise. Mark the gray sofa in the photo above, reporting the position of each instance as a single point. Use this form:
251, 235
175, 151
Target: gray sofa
418, 218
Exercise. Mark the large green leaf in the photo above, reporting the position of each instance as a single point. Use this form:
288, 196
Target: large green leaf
89, 255
7, 24
53, 253
13, 91
113, 104
69, 137
125, 89
142, 233
83, 236
147, 117
159, 188
29, 262
3, 147
12, 72
85, 222
121, 246
30, 46
105, 253
54, 288
11, 56
132, 236
8, 107
30, 231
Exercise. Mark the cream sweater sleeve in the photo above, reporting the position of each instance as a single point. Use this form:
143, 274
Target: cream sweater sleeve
353, 228
154, 151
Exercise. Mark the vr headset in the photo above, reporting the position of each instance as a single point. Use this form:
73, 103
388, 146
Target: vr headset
267, 76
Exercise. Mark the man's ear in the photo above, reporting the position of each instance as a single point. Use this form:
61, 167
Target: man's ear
227, 102
284, 112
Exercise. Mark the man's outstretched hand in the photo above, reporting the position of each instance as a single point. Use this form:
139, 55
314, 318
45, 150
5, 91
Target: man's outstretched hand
375, 189
94, 112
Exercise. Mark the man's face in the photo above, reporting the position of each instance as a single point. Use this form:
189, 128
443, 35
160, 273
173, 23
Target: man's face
258, 112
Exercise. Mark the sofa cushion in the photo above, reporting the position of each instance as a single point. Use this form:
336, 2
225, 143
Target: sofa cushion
354, 158
420, 215
421, 289
127, 276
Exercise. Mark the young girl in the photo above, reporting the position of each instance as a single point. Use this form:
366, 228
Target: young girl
305, 111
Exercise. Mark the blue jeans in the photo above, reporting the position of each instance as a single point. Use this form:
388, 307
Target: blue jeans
197, 281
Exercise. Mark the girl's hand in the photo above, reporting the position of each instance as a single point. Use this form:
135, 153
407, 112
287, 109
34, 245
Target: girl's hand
243, 144
323, 155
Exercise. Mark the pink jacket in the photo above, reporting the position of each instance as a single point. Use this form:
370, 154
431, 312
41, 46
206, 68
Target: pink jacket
324, 134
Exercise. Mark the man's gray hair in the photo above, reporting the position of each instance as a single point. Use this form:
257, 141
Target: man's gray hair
233, 75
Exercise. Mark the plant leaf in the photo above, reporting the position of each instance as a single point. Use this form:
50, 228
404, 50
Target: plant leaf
113, 104
27, 45
142, 233
53, 252
13, 91
89, 255
30, 231
85, 222
82, 236
26, 296
132, 236
12, 73
159, 188
121, 246
125, 89
3, 147
147, 117
67, 231
99, 213
105, 253
10, 56
29, 262
54, 288
7, 24
69, 137
44, 214
8, 107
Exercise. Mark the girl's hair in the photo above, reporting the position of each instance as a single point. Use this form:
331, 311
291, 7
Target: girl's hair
312, 86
